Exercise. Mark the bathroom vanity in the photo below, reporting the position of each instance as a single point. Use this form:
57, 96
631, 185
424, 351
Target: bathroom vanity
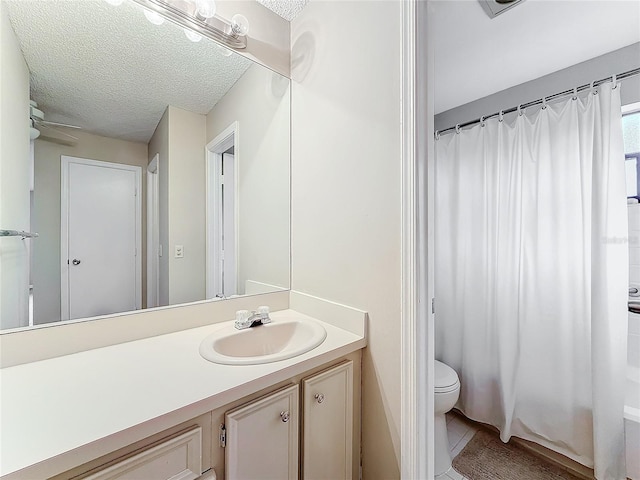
156, 408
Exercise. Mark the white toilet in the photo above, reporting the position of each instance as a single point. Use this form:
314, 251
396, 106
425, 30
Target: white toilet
447, 391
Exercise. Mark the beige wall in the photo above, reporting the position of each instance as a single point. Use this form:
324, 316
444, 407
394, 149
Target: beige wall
179, 140
14, 178
346, 199
260, 103
46, 210
159, 144
186, 205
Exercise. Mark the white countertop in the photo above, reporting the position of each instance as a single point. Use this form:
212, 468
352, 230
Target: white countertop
53, 409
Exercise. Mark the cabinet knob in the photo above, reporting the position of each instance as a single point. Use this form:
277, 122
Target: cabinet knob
284, 416
319, 397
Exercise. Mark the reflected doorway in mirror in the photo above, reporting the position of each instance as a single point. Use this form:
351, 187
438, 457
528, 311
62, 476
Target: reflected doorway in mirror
221, 214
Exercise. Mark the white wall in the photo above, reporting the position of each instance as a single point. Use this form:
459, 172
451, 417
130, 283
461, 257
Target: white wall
46, 210
618, 61
14, 178
346, 199
260, 103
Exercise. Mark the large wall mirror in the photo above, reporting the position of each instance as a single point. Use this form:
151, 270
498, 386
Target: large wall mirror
156, 165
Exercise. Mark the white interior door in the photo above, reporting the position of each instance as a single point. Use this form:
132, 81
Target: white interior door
153, 234
100, 238
229, 273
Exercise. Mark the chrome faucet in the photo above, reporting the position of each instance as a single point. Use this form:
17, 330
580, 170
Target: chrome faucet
246, 319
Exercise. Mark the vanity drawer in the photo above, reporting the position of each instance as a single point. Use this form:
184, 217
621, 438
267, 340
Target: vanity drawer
179, 457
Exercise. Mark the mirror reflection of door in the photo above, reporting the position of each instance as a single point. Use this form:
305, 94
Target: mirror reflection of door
227, 207
222, 211
100, 238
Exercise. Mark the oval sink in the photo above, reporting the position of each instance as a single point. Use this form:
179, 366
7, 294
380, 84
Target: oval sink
275, 341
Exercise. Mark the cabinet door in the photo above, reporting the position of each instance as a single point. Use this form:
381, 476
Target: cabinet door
262, 438
328, 424
178, 458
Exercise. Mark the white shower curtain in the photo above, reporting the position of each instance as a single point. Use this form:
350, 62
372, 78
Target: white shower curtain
531, 275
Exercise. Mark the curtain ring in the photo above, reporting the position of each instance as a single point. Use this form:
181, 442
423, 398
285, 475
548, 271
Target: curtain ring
592, 87
544, 102
575, 93
520, 110
482, 121
501, 116
614, 80
458, 128
437, 135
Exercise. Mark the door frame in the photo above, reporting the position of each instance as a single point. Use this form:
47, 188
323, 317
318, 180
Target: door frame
65, 161
417, 251
153, 232
229, 137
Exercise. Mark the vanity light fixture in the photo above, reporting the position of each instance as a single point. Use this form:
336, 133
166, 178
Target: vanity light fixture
205, 8
198, 19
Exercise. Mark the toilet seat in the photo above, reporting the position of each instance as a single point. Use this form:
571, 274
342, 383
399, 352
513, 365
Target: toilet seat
446, 379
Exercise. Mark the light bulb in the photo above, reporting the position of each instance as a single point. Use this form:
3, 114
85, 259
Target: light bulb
239, 25
115, 3
205, 8
153, 17
191, 35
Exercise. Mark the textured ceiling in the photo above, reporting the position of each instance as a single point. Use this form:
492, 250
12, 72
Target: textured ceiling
110, 71
477, 56
287, 9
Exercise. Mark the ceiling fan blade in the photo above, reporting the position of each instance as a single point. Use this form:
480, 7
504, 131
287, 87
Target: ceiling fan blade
57, 132
56, 124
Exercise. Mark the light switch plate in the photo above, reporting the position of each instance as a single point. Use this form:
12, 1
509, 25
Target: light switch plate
179, 251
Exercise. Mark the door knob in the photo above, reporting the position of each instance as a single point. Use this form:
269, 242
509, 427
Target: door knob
319, 397
75, 261
284, 416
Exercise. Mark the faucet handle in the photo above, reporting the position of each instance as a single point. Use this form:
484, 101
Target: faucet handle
242, 315
263, 311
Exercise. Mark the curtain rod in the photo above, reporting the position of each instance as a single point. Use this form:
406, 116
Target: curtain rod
544, 100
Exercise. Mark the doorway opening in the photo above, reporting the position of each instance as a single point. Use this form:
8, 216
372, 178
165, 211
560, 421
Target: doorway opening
222, 157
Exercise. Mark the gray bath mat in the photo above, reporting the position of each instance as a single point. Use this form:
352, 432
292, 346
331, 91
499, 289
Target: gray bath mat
485, 457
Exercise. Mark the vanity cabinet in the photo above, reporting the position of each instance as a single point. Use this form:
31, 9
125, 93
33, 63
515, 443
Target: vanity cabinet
327, 424
262, 438
306, 427
182, 452
179, 457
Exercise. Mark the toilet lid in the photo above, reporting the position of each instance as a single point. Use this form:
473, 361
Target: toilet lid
446, 378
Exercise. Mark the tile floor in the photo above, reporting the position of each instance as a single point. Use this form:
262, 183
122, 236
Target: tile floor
460, 431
